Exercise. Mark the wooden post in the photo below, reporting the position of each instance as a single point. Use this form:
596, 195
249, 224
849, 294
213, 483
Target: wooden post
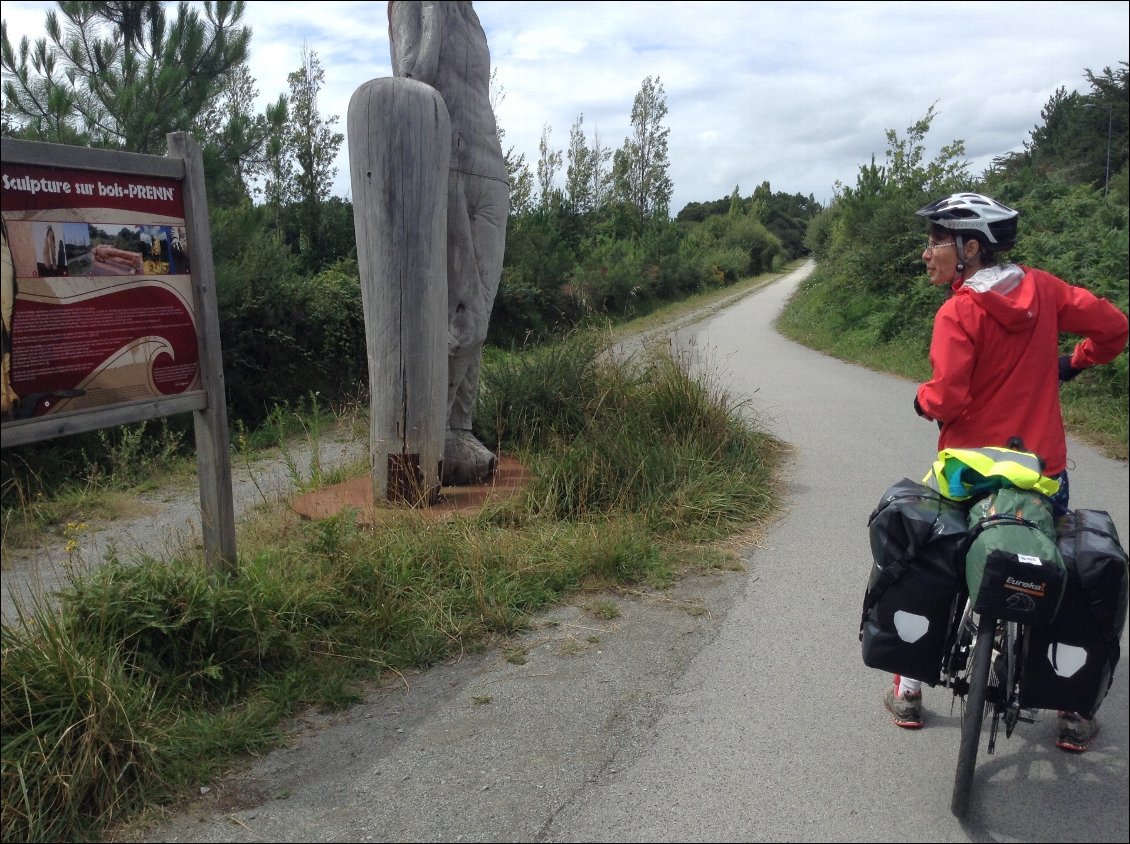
213, 454
399, 150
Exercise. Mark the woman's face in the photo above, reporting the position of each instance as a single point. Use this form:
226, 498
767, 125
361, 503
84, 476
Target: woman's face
940, 256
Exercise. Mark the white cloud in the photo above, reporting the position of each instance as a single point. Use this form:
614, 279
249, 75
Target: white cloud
798, 94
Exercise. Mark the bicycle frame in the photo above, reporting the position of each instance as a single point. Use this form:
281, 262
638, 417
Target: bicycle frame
982, 668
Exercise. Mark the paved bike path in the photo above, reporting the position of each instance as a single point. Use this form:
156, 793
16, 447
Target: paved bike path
733, 708
776, 731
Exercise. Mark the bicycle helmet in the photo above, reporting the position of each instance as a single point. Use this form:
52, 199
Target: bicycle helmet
975, 212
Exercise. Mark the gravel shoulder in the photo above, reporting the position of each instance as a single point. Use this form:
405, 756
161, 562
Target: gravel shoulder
481, 748
168, 521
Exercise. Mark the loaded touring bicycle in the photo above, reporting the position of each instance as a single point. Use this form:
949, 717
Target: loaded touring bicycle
976, 588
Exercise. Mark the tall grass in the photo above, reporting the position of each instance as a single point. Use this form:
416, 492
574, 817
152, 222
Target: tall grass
644, 437
145, 678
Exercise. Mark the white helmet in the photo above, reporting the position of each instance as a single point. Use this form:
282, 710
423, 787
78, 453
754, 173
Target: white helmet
975, 212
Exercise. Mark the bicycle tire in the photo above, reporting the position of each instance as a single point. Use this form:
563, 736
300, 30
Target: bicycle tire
973, 717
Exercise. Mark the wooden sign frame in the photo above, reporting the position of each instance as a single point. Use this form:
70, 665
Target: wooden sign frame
183, 164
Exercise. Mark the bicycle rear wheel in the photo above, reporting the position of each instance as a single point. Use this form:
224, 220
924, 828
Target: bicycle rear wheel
973, 716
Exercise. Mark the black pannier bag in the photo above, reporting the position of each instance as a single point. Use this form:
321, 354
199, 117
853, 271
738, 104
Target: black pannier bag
1070, 664
917, 576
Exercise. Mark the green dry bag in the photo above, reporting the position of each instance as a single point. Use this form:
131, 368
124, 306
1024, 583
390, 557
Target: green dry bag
1013, 568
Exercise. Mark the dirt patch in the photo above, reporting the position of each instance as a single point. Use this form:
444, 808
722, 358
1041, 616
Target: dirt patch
356, 495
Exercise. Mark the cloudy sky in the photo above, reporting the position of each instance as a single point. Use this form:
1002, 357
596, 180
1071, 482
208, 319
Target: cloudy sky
798, 94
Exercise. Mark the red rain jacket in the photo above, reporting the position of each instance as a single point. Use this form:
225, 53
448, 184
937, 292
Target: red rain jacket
995, 351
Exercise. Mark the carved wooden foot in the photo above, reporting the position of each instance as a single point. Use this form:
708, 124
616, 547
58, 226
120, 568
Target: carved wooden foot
466, 460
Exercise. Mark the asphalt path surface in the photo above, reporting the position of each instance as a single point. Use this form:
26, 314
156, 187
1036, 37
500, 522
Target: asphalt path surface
733, 707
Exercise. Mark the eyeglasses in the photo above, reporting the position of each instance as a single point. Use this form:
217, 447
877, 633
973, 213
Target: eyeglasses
930, 247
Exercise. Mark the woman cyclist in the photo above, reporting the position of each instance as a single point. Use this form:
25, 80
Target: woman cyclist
997, 367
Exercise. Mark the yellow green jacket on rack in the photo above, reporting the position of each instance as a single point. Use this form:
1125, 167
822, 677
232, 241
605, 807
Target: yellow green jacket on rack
960, 474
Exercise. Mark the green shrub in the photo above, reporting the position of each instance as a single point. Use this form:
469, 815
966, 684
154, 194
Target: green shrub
291, 338
643, 437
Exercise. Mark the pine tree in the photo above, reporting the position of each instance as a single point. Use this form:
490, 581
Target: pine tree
234, 138
737, 206
600, 174
278, 168
121, 74
586, 174
578, 170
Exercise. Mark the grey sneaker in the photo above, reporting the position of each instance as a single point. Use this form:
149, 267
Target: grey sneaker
905, 709
1075, 732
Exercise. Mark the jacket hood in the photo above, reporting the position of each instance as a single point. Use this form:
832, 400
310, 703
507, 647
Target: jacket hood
1000, 293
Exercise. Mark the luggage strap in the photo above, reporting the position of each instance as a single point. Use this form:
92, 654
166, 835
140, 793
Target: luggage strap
887, 577
995, 520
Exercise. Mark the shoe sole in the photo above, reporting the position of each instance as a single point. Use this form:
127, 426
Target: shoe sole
1071, 747
1074, 746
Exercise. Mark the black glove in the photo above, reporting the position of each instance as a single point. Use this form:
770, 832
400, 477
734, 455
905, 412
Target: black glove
1066, 370
918, 409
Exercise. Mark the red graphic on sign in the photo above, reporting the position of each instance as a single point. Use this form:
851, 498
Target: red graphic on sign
109, 346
